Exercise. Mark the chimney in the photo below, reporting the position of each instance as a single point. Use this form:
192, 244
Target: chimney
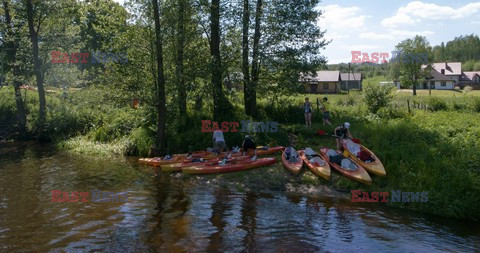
443, 71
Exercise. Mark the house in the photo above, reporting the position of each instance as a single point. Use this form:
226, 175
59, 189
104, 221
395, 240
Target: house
438, 81
326, 82
471, 78
350, 81
450, 69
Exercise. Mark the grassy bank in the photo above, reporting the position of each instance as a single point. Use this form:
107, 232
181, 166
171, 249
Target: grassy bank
433, 149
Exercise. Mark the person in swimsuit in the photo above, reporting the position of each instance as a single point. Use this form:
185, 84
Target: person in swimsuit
307, 108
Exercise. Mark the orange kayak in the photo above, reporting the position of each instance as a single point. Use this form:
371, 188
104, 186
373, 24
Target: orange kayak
293, 167
178, 166
360, 174
158, 161
375, 166
234, 166
318, 166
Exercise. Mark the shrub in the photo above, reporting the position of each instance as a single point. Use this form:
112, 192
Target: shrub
457, 88
476, 104
377, 96
467, 89
436, 104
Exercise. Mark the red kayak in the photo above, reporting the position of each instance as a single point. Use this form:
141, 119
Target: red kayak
229, 167
178, 166
293, 165
358, 173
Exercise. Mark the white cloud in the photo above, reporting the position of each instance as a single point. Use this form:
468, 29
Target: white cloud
415, 11
341, 21
375, 36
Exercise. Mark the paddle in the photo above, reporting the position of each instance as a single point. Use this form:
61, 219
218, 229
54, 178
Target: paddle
323, 133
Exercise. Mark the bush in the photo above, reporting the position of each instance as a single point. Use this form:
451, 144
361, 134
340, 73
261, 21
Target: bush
467, 89
377, 96
476, 104
457, 88
436, 104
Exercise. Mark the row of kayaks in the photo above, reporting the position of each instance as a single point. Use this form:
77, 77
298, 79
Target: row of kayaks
348, 163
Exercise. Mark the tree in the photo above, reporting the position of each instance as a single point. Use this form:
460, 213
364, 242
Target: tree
219, 101
160, 83
37, 65
11, 47
245, 61
255, 58
410, 67
182, 94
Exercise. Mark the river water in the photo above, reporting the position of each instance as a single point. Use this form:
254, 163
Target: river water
170, 214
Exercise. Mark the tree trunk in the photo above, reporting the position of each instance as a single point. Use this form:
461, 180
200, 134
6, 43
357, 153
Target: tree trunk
13, 45
182, 94
246, 66
37, 67
255, 58
161, 117
414, 87
218, 97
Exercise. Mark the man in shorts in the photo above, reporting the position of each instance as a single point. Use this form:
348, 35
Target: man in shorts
219, 144
247, 144
326, 111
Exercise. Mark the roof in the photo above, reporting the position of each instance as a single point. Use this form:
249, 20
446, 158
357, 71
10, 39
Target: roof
450, 68
350, 76
468, 76
323, 76
436, 76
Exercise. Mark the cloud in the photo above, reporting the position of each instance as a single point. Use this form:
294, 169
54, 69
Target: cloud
341, 21
375, 36
415, 11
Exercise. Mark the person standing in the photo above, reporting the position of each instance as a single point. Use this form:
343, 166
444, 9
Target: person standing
326, 111
307, 108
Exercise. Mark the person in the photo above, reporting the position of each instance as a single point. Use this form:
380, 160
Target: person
342, 132
219, 144
307, 107
247, 144
326, 111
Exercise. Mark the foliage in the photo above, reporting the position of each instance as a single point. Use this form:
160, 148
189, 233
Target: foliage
377, 96
436, 104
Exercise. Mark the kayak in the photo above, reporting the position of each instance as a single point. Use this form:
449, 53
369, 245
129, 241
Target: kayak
158, 161
178, 166
261, 150
291, 166
229, 167
358, 174
375, 166
316, 164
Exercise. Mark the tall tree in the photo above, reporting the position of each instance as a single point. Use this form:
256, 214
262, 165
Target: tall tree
160, 83
255, 58
37, 65
182, 94
245, 62
219, 103
411, 70
12, 45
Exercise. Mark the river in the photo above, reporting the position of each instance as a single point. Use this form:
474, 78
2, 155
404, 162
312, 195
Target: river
168, 213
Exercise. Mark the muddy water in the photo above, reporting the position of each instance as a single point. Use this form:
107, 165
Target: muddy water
166, 213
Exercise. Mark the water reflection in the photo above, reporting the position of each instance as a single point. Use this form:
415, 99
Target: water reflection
168, 213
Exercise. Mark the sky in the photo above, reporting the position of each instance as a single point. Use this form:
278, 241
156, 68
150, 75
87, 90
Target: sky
378, 25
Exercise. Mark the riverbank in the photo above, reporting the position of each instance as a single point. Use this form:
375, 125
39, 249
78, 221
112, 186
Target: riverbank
434, 150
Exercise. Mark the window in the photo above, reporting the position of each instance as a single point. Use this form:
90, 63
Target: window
444, 84
325, 86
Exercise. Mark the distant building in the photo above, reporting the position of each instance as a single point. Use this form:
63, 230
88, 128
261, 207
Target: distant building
351, 81
331, 82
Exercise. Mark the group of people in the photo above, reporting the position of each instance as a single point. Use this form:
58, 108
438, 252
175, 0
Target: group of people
307, 107
219, 144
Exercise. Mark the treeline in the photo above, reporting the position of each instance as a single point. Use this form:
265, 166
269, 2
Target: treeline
465, 49
177, 52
